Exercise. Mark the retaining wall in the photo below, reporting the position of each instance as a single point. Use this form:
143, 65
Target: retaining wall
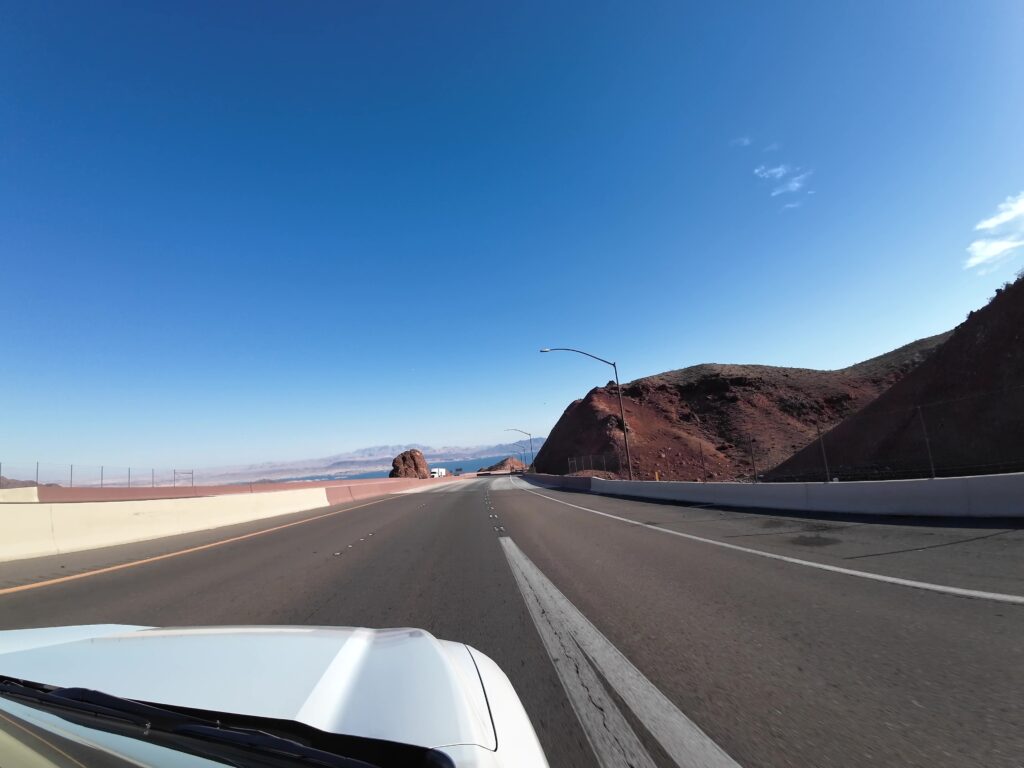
975, 496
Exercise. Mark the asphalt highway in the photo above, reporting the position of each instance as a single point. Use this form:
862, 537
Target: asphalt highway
636, 633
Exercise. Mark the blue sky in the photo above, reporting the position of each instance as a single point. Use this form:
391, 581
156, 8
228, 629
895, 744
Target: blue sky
242, 231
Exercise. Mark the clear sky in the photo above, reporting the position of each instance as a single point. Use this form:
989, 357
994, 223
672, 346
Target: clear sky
243, 231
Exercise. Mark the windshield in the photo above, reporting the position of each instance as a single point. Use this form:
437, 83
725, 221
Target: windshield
29, 736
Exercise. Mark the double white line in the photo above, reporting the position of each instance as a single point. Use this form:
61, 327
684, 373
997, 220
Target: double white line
579, 651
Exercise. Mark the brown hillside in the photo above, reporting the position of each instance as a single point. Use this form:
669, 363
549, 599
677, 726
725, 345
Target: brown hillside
508, 464
718, 410
971, 398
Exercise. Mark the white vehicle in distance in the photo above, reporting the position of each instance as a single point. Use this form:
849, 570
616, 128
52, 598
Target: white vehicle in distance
438, 472
256, 696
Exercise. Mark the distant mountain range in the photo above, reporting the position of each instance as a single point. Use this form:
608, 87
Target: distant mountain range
359, 461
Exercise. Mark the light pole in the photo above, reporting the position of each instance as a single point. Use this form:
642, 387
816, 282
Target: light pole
521, 432
618, 388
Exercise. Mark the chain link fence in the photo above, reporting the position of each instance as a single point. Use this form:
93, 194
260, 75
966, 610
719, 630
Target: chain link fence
608, 462
976, 434
27, 474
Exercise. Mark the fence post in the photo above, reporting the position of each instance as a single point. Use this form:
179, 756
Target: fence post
753, 466
927, 442
101, 475
1, 474
37, 474
71, 477
824, 456
152, 478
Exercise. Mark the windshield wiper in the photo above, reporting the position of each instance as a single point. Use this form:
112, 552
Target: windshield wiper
151, 718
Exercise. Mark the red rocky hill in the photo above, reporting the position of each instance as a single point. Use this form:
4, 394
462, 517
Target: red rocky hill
507, 464
967, 398
719, 411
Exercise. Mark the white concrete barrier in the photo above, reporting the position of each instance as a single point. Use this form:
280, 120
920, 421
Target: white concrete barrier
19, 495
976, 496
34, 530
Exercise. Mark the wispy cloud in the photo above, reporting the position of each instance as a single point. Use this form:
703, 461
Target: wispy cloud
1009, 210
1005, 235
763, 172
779, 178
794, 184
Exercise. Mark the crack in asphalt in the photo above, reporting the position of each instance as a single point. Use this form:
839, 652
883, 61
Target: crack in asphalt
931, 546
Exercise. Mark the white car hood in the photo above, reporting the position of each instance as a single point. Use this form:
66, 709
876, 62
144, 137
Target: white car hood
401, 685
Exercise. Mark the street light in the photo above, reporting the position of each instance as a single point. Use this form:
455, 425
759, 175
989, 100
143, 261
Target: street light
618, 388
521, 432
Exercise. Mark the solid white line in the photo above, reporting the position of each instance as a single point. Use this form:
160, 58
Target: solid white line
998, 597
573, 643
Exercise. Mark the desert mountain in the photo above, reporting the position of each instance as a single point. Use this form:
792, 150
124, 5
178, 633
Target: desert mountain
343, 465
967, 399
708, 417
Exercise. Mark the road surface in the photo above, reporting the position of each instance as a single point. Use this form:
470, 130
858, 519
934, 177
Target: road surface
736, 643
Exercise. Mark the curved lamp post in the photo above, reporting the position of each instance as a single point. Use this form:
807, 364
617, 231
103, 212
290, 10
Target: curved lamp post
521, 432
618, 388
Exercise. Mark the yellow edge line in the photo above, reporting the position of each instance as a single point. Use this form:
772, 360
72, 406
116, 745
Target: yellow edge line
133, 563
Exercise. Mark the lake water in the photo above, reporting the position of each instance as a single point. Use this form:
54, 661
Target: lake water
468, 465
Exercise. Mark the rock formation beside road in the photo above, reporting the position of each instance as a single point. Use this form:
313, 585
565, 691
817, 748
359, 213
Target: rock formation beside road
708, 418
410, 464
508, 464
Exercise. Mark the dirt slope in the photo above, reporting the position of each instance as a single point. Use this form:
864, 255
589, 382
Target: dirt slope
508, 464
971, 398
719, 411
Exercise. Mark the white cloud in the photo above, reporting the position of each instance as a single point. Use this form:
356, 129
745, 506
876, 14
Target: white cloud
795, 184
990, 251
1009, 210
777, 172
787, 206
741, 141
773, 147
1005, 235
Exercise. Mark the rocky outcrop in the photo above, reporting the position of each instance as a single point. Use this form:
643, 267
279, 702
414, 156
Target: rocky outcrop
410, 464
705, 420
508, 464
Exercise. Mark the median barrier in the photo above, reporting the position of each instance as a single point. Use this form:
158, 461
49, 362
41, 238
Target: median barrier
19, 495
39, 529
